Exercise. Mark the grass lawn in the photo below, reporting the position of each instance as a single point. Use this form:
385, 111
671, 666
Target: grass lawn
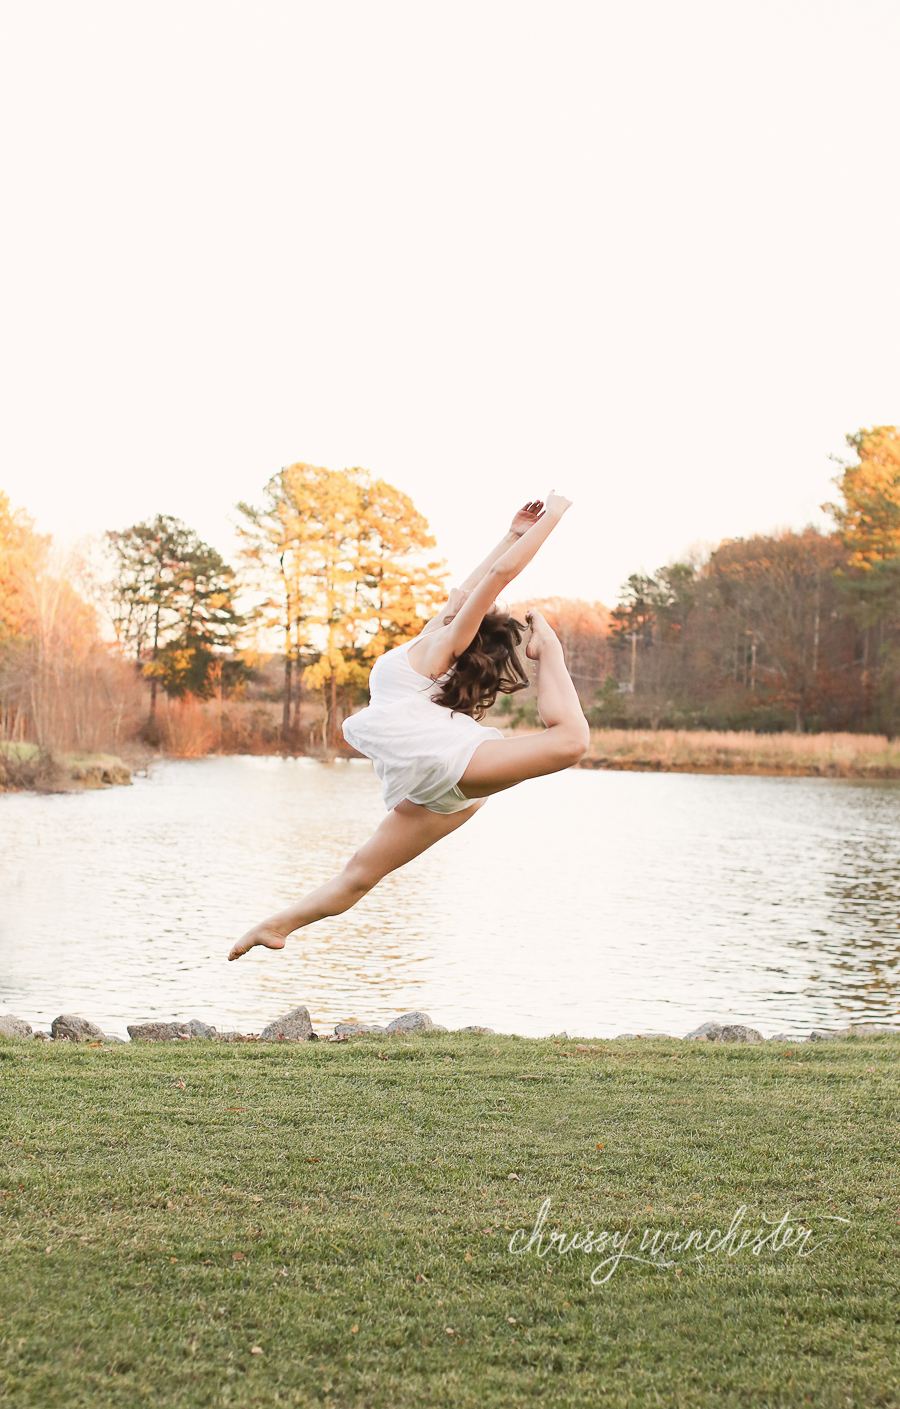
208, 1224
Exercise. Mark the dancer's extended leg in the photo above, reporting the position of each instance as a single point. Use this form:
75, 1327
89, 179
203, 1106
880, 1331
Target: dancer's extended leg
406, 832
497, 764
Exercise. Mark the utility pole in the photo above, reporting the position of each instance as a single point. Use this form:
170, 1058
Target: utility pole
752, 635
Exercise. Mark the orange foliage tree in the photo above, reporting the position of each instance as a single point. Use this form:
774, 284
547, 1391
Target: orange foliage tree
342, 564
869, 519
59, 688
868, 526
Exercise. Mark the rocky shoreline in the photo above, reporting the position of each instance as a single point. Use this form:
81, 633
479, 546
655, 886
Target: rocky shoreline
296, 1026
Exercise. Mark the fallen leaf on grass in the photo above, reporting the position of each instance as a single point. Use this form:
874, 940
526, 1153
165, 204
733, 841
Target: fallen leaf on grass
237, 1108
600, 1146
238, 1256
353, 1330
179, 1082
512, 1176
256, 1350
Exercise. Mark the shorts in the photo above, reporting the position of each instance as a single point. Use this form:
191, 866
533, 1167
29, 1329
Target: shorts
453, 800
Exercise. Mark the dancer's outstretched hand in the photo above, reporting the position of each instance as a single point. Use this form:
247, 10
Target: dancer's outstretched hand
557, 504
456, 599
526, 516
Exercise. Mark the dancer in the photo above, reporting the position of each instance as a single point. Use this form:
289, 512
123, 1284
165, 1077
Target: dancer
436, 762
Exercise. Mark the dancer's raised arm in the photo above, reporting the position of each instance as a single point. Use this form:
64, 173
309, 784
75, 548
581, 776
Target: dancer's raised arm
437, 654
522, 521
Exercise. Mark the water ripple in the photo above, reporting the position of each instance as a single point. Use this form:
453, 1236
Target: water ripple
591, 902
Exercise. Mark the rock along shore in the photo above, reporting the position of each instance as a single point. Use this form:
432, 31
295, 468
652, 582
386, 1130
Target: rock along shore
296, 1026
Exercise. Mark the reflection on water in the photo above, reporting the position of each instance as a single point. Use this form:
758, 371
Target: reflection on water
588, 902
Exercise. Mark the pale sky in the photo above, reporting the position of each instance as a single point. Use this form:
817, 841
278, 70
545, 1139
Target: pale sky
644, 253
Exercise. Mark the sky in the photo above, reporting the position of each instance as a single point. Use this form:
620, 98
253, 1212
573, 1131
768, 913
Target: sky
643, 254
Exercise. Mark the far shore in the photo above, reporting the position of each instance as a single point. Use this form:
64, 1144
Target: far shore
853, 756
860, 756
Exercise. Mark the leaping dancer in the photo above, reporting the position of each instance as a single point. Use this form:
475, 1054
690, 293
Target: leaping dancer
436, 762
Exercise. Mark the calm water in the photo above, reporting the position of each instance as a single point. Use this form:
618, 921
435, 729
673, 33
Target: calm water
594, 903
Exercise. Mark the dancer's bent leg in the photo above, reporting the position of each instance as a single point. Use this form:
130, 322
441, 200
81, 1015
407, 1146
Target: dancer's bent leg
405, 833
497, 764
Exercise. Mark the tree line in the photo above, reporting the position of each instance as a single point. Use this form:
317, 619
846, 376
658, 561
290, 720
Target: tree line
796, 630
336, 565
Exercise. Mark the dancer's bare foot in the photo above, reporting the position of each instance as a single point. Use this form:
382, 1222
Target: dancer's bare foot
260, 934
542, 634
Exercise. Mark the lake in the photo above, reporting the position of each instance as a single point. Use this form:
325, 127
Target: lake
592, 903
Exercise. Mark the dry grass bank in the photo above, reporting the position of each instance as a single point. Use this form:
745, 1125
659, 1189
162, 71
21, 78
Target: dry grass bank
26, 768
708, 751
193, 728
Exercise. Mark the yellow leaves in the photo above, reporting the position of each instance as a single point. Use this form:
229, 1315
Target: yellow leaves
869, 519
343, 556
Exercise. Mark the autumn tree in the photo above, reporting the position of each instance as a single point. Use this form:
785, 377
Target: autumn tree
868, 526
171, 603
777, 607
868, 520
59, 687
341, 562
22, 551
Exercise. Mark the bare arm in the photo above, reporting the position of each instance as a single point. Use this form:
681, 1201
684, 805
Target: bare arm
457, 596
435, 656
523, 520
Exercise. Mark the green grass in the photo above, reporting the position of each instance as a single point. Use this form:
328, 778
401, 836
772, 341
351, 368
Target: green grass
166, 1209
19, 752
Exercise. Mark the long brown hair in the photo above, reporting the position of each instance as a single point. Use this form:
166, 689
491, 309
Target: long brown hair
489, 667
